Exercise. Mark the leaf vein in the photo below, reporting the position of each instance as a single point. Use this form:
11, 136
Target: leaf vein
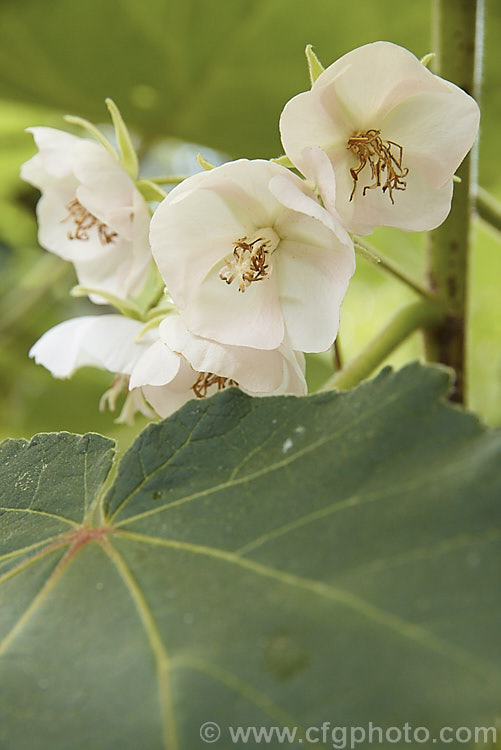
241, 687
387, 620
41, 513
155, 641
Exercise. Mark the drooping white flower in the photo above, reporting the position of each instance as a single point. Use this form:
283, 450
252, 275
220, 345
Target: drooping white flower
90, 212
251, 258
108, 342
393, 132
166, 366
187, 365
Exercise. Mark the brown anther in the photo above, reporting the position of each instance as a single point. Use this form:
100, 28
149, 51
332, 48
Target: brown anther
248, 263
206, 379
84, 221
382, 156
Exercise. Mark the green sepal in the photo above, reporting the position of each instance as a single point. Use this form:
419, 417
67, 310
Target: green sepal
284, 161
206, 165
426, 60
161, 311
128, 156
315, 67
168, 179
155, 320
90, 128
125, 306
151, 293
150, 191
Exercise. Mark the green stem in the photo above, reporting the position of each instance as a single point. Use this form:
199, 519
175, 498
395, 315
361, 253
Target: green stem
423, 314
488, 209
369, 252
456, 34
337, 356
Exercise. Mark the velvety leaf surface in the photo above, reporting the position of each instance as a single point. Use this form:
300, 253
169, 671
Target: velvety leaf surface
277, 561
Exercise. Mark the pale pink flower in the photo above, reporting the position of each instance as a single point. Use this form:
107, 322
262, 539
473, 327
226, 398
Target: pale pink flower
252, 259
393, 132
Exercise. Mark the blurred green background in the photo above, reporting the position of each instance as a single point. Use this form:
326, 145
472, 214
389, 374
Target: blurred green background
215, 74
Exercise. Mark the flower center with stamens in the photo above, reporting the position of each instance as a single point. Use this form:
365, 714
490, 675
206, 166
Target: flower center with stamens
384, 159
250, 259
206, 379
84, 221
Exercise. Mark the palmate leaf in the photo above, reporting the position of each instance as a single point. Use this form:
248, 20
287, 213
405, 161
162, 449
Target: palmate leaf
280, 561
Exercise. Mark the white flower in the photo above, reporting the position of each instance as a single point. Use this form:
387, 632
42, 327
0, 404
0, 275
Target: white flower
90, 212
165, 366
394, 133
109, 342
251, 258
188, 365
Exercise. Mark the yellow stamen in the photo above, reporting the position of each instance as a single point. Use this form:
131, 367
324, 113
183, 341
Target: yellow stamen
83, 221
206, 379
250, 259
382, 156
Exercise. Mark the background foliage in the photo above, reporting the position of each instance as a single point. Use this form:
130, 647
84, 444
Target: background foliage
215, 74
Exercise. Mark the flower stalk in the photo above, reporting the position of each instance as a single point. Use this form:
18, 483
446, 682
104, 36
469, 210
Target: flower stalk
488, 209
457, 38
424, 315
368, 251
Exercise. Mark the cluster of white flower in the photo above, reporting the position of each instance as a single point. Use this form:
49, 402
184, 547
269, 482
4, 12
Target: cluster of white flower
255, 259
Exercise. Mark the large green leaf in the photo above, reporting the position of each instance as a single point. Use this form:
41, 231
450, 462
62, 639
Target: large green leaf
280, 561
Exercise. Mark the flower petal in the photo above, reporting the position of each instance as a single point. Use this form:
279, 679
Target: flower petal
157, 366
105, 189
293, 197
313, 282
370, 80
423, 123
305, 121
115, 257
255, 370
382, 87
418, 208
196, 226
293, 380
220, 312
321, 173
113, 271
105, 341
168, 398
34, 172
56, 148
56, 225
188, 236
